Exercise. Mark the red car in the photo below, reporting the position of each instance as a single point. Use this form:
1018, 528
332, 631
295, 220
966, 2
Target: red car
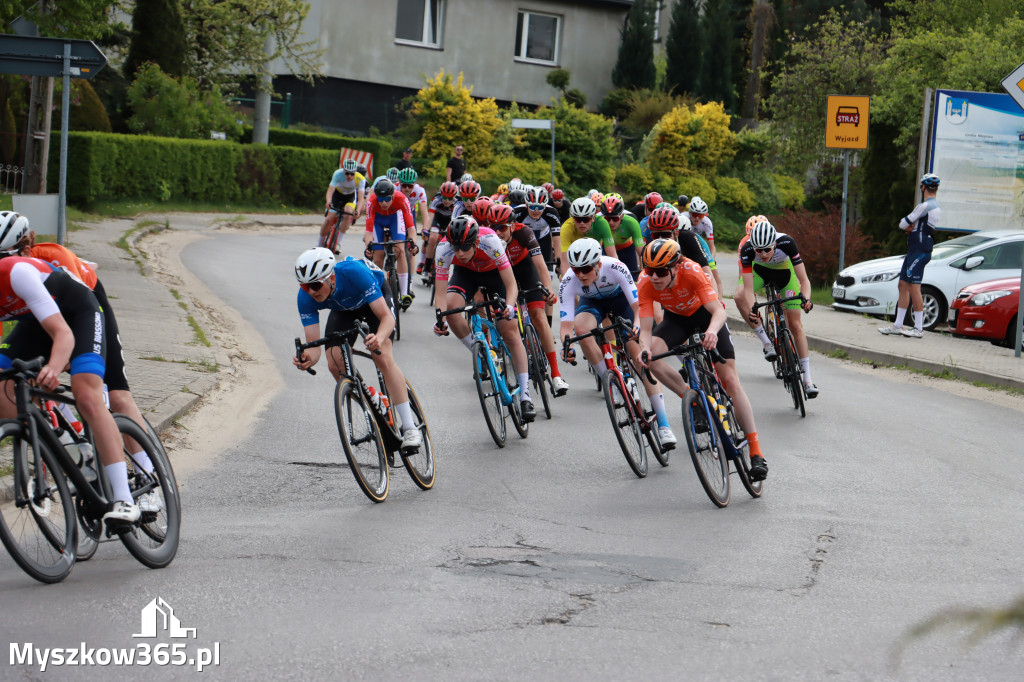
987, 310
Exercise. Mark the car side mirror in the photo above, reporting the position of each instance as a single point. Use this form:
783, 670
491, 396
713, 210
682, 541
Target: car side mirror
973, 262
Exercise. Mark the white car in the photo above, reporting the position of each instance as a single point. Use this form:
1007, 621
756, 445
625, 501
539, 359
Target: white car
872, 286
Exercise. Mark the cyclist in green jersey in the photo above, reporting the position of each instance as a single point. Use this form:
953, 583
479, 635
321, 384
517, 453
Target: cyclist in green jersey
629, 242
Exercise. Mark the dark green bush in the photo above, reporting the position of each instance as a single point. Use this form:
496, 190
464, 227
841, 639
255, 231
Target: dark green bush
381, 149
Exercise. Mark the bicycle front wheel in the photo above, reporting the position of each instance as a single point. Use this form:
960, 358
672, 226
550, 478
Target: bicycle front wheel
360, 438
649, 426
490, 400
771, 327
396, 298
512, 383
792, 374
624, 423
37, 518
708, 459
538, 366
154, 541
420, 464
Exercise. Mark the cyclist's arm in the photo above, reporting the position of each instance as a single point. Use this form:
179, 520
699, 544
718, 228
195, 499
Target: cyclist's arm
718, 320
805, 282
511, 288
568, 289
330, 196
60, 353
311, 355
387, 321
360, 198
542, 269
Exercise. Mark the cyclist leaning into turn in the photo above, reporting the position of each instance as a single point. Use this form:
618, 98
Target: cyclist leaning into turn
388, 208
347, 186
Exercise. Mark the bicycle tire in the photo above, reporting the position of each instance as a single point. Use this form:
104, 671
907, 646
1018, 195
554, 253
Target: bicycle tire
357, 427
794, 382
538, 366
742, 462
512, 383
631, 441
651, 430
420, 464
708, 457
490, 400
36, 535
154, 540
396, 300
771, 328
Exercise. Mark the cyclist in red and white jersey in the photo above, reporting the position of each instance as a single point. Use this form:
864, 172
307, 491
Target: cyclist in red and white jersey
389, 208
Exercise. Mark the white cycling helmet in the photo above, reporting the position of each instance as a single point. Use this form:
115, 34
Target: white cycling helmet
466, 177
350, 165
536, 195
763, 235
584, 252
697, 205
584, 207
13, 228
314, 265
514, 184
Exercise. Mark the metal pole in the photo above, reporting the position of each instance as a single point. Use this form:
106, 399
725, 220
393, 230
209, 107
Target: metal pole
922, 145
842, 223
552, 151
286, 113
65, 105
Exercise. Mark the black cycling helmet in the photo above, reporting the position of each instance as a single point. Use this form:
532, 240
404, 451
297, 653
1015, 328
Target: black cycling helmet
384, 188
463, 230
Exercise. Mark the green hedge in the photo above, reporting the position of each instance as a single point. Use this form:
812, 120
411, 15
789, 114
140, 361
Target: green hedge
103, 167
381, 149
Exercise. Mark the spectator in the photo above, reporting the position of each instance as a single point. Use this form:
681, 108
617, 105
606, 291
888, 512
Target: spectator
406, 161
456, 166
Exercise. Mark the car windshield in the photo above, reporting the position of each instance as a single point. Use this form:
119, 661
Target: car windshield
955, 246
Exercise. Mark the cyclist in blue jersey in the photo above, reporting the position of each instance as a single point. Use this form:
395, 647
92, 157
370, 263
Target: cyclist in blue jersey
920, 229
352, 289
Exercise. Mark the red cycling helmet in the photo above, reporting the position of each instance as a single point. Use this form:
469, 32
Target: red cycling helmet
663, 219
557, 195
612, 207
480, 207
449, 190
499, 214
469, 189
548, 187
652, 200
463, 230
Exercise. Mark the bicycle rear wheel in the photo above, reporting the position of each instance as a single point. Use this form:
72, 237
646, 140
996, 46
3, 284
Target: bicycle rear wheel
396, 298
771, 327
538, 366
649, 427
420, 464
512, 383
627, 431
490, 400
154, 541
37, 524
708, 459
792, 374
360, 438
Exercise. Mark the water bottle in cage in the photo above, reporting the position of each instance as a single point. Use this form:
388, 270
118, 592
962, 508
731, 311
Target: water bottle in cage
381, 404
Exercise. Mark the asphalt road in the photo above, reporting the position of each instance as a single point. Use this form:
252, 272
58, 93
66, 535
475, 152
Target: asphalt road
549, 559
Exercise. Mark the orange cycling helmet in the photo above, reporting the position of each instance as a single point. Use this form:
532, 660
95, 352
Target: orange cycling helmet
449, 190
754, 220
661, 253
663, 219
480, 207
499, 214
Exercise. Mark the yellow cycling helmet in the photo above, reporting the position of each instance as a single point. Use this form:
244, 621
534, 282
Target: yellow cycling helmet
503, 188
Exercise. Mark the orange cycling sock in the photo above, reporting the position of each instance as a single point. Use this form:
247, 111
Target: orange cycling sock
755, 447
553, 363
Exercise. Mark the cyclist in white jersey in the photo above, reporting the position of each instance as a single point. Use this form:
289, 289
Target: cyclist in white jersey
347, 186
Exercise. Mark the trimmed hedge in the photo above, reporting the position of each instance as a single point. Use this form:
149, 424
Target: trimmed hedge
105, 166
279, 137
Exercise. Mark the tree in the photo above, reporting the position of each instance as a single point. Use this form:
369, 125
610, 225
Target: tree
722, 27
762, 18
634, 67
683, 48
158, 36
169, 107
86, 19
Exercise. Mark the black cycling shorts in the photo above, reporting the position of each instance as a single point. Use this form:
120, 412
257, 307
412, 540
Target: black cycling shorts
466, 282
340, 320
338, 200
527, 278
115, 377
676, 329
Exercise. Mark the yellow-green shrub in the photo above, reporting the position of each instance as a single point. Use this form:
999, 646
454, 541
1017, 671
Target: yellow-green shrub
735, 192
632, 178
692, 140
791, 190
697, 186
530, 171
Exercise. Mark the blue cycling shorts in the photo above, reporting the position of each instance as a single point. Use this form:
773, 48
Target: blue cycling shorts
912, 271
614, 306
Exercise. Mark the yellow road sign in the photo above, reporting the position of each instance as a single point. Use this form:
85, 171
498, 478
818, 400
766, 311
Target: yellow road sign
846, 123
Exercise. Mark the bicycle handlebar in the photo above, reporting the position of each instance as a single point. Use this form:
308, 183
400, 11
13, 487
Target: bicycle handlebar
619, 323
684, 348
777, 302
494, 301
360, 328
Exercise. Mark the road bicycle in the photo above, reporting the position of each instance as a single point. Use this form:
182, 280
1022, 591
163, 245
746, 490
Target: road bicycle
540, 374
391, 270
713, 435
787, 364
367, 423
50, 493
629, 406
495, 378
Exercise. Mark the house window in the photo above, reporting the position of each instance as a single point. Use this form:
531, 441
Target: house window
420, 22
537, 37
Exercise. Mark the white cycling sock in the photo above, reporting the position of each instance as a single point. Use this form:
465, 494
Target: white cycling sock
524, 384
599, 369
919, 320
403, 282
658, 403
142, 459
763, 335
900, 314
405, 415
805, 366
117, 475
467, 341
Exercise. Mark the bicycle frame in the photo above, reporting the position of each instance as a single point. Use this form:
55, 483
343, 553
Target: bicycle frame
609, 362
486, 332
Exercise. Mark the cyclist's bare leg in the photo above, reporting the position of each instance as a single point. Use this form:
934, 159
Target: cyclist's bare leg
663, 371
509, 330
730, 379
393, 375
796, 327
585, 322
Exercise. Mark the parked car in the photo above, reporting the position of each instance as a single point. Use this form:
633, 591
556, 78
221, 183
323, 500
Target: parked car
871, 287
987, 311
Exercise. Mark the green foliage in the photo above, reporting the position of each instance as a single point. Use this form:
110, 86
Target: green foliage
695, 185
532, 171
697, 140
888, 192
8, 134
88, 113
83, 19
111, 167
584, 144
683, 47
791, 191
633, 179
167, 107
647, 107
380, 148
448, 115
735, 192
558, 79
158, 37
616, 103
634, 67
722, 26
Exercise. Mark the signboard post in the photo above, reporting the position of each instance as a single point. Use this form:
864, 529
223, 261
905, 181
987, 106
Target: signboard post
1014, 85
52, 57
541, 124
846, 128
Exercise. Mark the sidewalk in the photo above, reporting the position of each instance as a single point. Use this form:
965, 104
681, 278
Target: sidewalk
829, 330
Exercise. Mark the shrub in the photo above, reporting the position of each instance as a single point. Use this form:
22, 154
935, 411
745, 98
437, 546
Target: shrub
791, 191
633, 179
88, 113
164, 106
734, 192
693, 185
531, 171
616, 103
817, 234
697, 140
280, 137
767, 198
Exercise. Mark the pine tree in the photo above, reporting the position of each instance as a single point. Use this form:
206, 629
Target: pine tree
158, 36
722, 27
683, 47
635, 66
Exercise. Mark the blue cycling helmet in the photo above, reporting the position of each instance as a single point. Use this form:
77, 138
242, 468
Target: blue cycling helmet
930, 181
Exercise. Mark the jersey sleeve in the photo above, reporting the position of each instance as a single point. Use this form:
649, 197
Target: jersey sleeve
645, 296
371, 213
692, 276
360, 279
691, 248
443, 260
554, 221
914, 216
406, 214
527, 239
788, 246
337, 178
568, 290
569, 228
28, 286
634, 231
309, 309
623, 279
494, 247
605, 237
747, 258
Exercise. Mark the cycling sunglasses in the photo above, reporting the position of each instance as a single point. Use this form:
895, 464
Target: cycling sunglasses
313, 286
535, 207
501, 227
447, 200
464, 247
585, 270
768, 249
350, 173
385, 198
583, 220
658, 272
405, 186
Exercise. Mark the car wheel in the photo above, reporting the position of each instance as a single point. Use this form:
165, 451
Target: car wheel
1011, 335
934, 307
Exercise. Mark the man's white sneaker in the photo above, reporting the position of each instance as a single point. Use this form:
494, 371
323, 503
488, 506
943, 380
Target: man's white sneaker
561, 386
151, 503
667, 438
890, 330
412, 439
122, 514
912, 332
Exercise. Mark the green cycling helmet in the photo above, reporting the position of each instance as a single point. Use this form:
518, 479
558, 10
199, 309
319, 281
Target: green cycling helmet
407, 176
